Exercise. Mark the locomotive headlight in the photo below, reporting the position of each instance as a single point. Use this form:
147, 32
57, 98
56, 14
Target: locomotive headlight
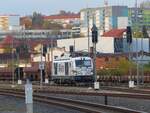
91, 71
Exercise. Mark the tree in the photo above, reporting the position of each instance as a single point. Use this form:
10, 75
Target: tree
144, 31
120, 67
137, 34
22, 48
26, 21
37, 20
125, 66
52, 25
147, 67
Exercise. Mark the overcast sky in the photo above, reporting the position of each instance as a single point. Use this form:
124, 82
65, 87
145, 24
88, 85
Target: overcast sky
27, 7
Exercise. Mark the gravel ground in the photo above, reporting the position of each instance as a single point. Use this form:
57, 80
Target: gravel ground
136, 104
16, 105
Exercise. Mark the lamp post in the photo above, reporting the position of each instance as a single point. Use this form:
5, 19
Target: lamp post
88, 35
18, 69
88, 31
41, 67
12, 55
94, 41
46, 50
137, 63
52, 47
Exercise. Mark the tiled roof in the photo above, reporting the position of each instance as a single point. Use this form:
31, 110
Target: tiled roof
31, 43
116, 33
8, 56
8, 40
35, 42
71, 16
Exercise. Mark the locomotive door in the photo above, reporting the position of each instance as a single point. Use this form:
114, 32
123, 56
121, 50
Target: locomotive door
61, 69
66, 68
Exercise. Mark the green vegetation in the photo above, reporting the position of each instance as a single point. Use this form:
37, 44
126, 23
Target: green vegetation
109, 72
137, 34
52, 25
144, 20
147, 68
125, 66
121, 67
37, 20
23, 48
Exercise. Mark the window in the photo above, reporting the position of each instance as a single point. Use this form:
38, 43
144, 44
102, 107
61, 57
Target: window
55, 68
55, 57
83, 63
66, 68
71, 49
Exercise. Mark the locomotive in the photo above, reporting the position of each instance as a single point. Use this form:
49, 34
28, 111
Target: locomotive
72, 69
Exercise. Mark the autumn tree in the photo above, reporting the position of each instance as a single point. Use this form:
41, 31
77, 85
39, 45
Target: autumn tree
27, 22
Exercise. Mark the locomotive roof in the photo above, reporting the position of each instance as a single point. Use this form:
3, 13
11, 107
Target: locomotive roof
70, 58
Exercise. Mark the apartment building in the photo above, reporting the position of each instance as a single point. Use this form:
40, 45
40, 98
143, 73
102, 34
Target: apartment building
9, 22
105, 18
142, 15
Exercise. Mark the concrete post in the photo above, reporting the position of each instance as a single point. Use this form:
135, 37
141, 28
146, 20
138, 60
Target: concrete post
29, 97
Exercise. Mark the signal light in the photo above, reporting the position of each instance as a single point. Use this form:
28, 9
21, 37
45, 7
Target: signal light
129, 35
94, 34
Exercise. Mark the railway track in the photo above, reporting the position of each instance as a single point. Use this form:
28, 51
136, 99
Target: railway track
104, 91
140, 90
128, 90
82, 106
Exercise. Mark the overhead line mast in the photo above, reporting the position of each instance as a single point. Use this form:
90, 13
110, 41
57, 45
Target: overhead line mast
105, 11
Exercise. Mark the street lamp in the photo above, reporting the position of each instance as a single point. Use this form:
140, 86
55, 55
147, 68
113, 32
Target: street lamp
12, 55
88, 35
136, 21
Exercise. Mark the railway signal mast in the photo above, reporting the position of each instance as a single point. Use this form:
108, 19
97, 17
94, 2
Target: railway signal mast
129, 42
94, 40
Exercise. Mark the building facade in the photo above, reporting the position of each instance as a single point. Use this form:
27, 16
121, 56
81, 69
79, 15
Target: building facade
141, 15
55, 34
64, 19
104, 45
9, 22
105, 18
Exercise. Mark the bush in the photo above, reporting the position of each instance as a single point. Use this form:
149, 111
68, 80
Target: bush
119, 68
147, 68
110, 72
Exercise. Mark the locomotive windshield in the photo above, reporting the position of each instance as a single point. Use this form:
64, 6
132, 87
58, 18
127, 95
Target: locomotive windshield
83, 63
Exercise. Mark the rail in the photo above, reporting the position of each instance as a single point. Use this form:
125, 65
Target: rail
82, 106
